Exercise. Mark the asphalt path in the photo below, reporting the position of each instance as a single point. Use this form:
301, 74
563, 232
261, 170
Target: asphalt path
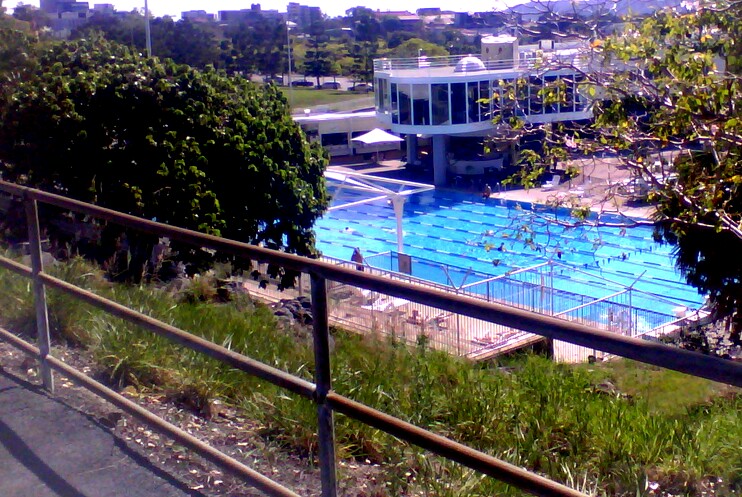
50, 449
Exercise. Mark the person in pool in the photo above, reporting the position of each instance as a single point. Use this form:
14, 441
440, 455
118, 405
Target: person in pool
357, 257
487, 191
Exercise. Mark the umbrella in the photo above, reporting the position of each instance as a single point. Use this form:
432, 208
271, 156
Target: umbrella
377, 137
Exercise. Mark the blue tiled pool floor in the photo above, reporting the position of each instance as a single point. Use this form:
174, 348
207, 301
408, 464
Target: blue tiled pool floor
494, 236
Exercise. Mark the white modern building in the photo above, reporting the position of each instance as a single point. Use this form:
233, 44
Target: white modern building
465, 96
335, 131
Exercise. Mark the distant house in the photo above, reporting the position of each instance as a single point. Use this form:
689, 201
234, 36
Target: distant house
197, 15
409, 20
303, 15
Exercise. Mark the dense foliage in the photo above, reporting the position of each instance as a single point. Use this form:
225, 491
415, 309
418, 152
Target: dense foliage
164, 141
684, 95
667, 90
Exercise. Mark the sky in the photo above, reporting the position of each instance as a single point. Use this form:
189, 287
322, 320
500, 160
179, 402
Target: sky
332, 8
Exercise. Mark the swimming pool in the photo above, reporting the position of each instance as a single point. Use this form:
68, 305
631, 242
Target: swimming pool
495, 236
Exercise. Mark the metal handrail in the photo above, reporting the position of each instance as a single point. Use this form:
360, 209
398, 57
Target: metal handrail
321, 392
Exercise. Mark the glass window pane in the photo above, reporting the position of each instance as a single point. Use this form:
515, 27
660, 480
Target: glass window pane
536, 103
484, 105
421, 104
405, 104
395, 104
458, 103
569, 94
551, 95
522, 97
386, 102
439, 93
472, 93
507, 98
580, 101
496, 100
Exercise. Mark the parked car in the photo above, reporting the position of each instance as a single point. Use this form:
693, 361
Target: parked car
329, 85
275, 79
302, 83
362, 87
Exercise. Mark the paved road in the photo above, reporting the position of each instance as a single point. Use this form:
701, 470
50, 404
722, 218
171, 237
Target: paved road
49, 449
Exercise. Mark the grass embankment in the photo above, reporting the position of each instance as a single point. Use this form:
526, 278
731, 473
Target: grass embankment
674, 431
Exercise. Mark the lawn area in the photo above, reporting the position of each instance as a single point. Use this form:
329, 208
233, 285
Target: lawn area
309, 97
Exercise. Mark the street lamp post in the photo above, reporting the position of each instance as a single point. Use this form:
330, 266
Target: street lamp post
289, 25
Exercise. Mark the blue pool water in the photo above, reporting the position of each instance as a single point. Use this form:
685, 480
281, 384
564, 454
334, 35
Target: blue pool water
466, 232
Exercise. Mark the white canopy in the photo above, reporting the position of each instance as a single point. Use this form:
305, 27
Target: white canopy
376, 136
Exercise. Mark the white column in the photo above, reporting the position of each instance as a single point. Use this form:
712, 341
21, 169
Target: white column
398, 204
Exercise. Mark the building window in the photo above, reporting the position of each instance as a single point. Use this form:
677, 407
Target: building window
421, 104
580, 101
333, 139
386, 103
485, 113
405, 104
458, 103
536, 102
551, 95
568, 104
472, 93
439, 96
395, 104
507, 98
496, 100
378, 94
522, 92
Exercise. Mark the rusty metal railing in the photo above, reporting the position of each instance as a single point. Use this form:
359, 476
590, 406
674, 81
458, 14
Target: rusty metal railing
320, 392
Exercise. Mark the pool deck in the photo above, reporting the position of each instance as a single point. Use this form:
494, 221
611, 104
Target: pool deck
594, 186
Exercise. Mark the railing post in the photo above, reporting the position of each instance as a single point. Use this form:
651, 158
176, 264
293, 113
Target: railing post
323, 380
42, 316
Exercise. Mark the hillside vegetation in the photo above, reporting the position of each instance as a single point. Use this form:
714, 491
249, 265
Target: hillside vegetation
609, 429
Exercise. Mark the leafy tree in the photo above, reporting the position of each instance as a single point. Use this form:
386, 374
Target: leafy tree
415, 46
363, 54
164, 141
185, 41
126, 29
668, 88
36, 17
17, 55
318, 60
364, 47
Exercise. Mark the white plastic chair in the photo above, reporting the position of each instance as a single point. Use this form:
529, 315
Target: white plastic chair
552, 183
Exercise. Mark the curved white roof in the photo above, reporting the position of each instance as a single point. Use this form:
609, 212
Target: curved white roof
469, 64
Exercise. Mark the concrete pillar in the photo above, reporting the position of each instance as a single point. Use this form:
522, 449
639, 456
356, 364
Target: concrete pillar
398, 204
411, 148
440, 160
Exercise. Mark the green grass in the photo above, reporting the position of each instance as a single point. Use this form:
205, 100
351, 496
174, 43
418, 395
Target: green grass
673, 430
311, 97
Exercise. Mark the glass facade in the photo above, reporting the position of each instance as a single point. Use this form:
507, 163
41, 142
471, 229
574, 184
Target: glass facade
394, 105
458, 103
442, 104
421, 104
439, 95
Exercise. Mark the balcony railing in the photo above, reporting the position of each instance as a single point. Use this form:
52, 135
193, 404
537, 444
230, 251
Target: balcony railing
320, 391
554, 60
